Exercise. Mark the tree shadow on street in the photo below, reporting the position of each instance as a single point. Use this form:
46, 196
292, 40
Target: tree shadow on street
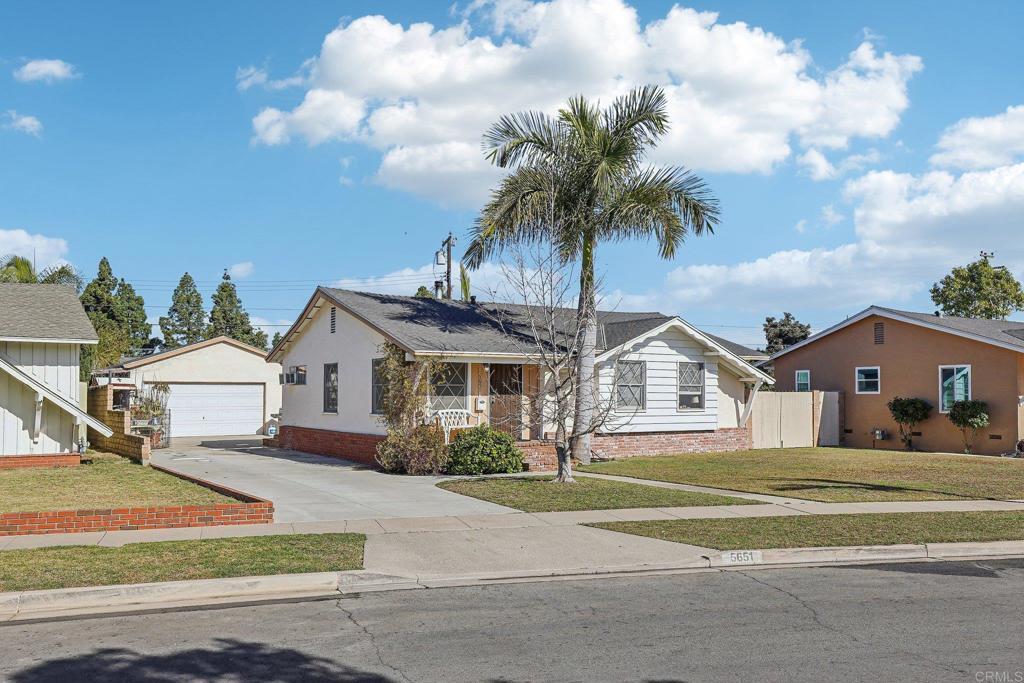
227, 660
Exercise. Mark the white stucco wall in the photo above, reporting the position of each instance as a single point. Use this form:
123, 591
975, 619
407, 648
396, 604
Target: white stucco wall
661, 414
353, 346
219, 363
731, 397
57, 366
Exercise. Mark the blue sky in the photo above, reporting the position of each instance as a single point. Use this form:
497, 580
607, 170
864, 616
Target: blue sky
858, 149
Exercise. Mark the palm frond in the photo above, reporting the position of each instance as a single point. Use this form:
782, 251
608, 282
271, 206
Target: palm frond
522, 138
642, 113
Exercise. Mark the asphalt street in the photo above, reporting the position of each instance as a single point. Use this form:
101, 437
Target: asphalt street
893, 622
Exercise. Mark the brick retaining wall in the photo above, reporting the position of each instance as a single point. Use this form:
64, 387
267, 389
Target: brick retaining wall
663, 443
8, 462
131, 518
361, 448
101, 406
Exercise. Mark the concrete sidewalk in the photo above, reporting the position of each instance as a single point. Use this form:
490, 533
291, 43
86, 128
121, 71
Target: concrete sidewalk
511, 520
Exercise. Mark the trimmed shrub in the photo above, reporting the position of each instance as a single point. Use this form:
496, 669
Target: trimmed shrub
969, 417
908, 413
482, 450
422, 451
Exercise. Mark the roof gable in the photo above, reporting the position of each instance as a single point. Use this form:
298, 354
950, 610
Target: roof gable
181, 350
31, 312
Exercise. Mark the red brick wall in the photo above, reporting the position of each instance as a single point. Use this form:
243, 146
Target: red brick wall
539, 456
123, 519
56, 460
663, 443
361, 448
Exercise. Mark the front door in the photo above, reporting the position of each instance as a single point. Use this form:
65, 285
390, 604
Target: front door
506, 389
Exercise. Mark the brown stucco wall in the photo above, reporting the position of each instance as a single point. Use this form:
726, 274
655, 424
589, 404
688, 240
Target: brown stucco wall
909, 363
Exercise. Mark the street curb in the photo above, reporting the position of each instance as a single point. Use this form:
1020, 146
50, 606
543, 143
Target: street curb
107, 600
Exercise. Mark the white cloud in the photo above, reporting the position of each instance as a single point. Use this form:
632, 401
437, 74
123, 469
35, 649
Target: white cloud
23, 123
818, 167
829, 215
241, 270
487, 281
46, 70
801, 226
909, 231
252, 76
983, 141
46, 251
738, 95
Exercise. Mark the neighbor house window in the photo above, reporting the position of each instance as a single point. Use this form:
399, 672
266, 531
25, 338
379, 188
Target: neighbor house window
449, 386
330, 387
803, 380
690, 385
954, 385
869, 380
631, 384
376, 387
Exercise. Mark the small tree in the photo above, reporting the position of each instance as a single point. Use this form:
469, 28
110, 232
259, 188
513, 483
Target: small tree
783, 332
979, 290
969, 417
423, 293
908, 413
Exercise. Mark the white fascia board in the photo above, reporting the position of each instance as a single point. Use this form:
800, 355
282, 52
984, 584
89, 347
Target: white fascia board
32, 340
730, 358
40, 387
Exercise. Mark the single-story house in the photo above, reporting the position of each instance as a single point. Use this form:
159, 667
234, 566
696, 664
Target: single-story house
42, 328
688, 391
881, 353
218, 387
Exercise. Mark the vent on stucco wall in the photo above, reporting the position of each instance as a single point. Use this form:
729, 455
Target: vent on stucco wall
879, 333
334, 319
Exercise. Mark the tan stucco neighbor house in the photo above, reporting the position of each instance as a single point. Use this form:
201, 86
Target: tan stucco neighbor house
218, 387
881, 353
42, 329
681, 389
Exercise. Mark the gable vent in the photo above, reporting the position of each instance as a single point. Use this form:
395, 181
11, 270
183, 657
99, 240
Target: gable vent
879, 333
334, 319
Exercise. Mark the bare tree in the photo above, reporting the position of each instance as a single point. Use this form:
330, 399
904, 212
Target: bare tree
542, 321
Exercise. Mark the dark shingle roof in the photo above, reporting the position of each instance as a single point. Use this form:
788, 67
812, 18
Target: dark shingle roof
1009, 332
744, 352
422, 324
43, 312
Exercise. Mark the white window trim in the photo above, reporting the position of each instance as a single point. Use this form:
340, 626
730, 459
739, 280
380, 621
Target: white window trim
703, 388
626, 410
796, 380
970, 383
856, 379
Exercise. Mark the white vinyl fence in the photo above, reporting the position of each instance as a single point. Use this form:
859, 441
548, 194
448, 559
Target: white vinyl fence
794, 419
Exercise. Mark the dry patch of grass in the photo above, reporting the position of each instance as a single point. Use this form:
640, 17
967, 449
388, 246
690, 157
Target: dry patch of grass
835, 474
808, 531
541, 494
70, 566
110, 481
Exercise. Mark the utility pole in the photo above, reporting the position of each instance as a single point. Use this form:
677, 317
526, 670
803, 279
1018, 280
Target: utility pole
448, 243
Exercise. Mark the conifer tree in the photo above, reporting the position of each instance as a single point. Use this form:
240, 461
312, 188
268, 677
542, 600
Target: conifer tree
185, 322
228, 318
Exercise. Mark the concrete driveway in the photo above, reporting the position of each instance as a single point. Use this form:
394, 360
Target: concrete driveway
307, 488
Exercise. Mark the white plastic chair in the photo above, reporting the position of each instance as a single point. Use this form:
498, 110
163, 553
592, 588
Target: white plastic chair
453, 418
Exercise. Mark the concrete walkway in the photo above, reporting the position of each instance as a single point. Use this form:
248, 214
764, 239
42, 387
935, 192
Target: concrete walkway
309, 488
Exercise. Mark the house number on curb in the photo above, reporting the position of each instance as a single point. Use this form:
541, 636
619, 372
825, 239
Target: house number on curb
742, 557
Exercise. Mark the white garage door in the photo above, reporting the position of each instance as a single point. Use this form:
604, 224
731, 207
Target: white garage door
215, 409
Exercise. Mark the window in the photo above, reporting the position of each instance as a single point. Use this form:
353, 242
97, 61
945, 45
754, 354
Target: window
690, 385
448, 387
879, 333
330, 387
376, 387
296, 375
869, 380
803, 380
954, 385
334, 319
631, 384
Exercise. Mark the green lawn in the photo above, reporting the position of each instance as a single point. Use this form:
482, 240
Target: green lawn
110, 481
541, 494
806, 531
835, 474
68, 566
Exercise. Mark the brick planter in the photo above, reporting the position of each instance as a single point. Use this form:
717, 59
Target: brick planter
361, 448
9, 462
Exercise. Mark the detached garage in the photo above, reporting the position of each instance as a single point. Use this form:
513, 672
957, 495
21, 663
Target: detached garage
218, 387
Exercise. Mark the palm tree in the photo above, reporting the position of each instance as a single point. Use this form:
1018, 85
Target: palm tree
579, 179
20, 269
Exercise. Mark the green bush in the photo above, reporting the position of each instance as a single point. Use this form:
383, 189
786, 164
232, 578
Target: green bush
483, 450
969, 417
908, 413
422, 451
